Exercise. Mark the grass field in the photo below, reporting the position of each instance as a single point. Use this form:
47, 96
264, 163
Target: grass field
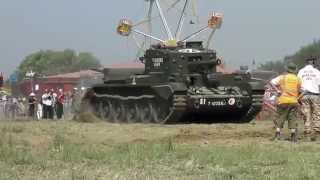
71, 150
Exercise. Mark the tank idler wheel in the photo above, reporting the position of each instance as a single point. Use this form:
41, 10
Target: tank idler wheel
160, 113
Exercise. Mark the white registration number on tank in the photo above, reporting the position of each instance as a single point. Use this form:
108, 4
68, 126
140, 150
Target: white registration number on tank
209, 102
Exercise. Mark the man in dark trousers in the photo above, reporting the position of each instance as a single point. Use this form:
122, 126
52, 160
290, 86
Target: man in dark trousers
47, 101
50, 104
32, 105
44, 99
60, 101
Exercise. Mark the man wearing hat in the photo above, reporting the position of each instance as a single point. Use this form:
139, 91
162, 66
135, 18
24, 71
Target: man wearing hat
310, 101
288, 85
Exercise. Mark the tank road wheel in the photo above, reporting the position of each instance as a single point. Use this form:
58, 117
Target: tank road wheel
111, 116
109, 111
104, 110
154, 113
132, 113
119, 112
114, 111
145, 112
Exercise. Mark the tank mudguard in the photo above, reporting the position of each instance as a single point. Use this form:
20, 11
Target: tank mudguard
166, 90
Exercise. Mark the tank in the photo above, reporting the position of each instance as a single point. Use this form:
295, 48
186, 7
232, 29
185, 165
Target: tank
179, 79
176, 83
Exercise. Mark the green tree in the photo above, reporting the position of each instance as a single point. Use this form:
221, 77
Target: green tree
87, 60
305, 52
54, 62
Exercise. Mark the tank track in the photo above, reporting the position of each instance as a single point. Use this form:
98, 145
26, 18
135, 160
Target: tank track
149, 108
135, 109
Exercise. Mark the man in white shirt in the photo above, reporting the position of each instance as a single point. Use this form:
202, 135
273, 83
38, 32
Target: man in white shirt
47, 105
310, 101
44, 99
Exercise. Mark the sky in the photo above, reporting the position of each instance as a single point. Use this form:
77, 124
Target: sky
252, 29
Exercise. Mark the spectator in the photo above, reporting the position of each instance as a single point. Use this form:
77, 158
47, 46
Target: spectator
310, 101
39, 110
288, 85
47, 105
60, 101
32, 105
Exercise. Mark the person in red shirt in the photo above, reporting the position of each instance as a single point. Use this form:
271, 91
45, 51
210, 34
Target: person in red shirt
60, 101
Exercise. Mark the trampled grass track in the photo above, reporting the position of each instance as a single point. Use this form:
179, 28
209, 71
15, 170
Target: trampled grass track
72, 150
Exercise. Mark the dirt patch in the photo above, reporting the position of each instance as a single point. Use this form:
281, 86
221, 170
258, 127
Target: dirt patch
86, 117
220, 134
183, 138
253, 134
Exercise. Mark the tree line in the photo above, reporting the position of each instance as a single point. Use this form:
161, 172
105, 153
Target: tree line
50, 62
